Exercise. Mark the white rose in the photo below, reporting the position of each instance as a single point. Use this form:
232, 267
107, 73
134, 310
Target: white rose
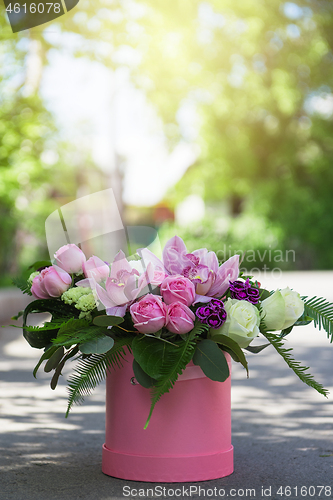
273, 311
242, 323
282, 309
294, 307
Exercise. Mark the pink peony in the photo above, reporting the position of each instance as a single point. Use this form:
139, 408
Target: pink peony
70, 258
180, 319
96, 269
51, 282
178, 289
149, 314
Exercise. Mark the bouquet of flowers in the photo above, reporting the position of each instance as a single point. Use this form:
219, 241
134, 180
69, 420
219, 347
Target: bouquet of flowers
187, 306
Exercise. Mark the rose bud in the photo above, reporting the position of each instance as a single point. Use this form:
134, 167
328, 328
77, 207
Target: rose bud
51, 282
70, 258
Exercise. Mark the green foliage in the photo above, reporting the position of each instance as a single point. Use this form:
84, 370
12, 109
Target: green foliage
153, 353
211, 360
297, 368
142, 377
42, 337
54, 359
98, 345
48, 325
57, 373
39, 264
239, 78
46, 355
231, 347
91, 370
78, 331
256, 349
251, 77
286, 331
37, 168
321, 311
173, 364
105, 320
22, 284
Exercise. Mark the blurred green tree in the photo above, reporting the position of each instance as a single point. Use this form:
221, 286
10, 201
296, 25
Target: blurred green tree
34, 173
250, 82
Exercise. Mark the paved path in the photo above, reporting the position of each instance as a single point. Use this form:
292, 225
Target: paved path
282, 430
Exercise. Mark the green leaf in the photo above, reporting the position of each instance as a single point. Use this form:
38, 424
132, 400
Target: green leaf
105, 320
157, 335
18, 315
257, 348
46, 355
303, 320
54, 360
152, 354
57, 373
321, 311
78, 331
39, 264
97, 346
264, 294
236, 352
41, 338
211, 360
47, 326
286, 331
141, 376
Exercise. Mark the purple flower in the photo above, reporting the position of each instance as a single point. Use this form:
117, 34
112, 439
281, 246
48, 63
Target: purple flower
243, 290
203, 312
216, 305
253, 295
217, 320
212, 314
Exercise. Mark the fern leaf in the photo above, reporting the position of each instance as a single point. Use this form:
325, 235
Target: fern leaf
176, 363
92, 370
47, 326
297, 368
322, 313
22, 284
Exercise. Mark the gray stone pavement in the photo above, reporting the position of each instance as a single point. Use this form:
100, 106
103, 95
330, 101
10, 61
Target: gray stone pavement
282, 430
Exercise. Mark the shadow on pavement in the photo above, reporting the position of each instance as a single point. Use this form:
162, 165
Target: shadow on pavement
282, 432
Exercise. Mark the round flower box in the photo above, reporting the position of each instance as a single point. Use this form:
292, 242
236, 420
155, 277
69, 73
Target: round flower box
189, 435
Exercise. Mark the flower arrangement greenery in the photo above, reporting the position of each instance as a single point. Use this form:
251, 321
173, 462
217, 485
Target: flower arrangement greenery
187, 306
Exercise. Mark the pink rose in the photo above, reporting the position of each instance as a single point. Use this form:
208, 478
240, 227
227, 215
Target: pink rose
178, 289
70, 258
51, 282
96, 269
149, 314
180, 319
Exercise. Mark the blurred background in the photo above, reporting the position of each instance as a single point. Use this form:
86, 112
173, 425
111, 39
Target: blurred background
211, 119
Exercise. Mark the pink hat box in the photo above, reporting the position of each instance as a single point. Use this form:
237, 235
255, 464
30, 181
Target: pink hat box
189, 435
